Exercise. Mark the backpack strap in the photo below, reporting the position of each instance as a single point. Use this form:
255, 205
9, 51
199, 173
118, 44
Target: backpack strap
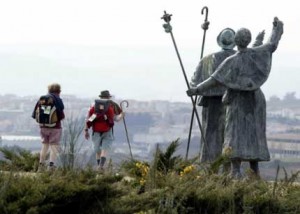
59, 105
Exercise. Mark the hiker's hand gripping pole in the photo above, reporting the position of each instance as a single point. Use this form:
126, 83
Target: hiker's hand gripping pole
127, 137
168, 29
204, 26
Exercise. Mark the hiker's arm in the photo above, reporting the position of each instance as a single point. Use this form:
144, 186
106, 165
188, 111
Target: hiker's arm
62, 115
119, 116
87, 123
33, 113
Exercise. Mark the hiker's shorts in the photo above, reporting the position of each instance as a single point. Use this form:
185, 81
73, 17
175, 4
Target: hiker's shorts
102, 141
51, 135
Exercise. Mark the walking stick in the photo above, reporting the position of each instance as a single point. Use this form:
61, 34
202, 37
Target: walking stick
168, 29
204, 26
127, 104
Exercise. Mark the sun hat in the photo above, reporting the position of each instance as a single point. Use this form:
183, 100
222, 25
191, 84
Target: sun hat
225, 38
105, 94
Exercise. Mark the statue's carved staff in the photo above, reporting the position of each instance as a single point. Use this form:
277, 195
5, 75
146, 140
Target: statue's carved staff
168, 29
127, 137
204, 26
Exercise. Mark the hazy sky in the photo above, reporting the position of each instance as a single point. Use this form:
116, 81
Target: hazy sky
88, 45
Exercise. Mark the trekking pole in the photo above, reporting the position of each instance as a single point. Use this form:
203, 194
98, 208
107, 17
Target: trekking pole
204, 26
127, 104
168, 29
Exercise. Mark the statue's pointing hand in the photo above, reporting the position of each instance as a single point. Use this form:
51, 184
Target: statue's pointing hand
261, 36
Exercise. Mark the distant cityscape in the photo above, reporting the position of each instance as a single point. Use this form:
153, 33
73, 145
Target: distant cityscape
149, 123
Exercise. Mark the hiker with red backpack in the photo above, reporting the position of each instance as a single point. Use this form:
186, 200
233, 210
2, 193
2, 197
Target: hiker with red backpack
48, 113
101, 117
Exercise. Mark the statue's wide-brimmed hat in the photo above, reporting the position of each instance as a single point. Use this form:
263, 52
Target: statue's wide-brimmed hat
225, 38
105, 94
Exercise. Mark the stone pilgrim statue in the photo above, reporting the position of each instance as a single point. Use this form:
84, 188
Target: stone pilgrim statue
245, 121
213, 111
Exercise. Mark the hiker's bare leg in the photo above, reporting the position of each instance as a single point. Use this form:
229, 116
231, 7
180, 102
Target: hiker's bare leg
43, 153
98, 157
53, 153
103, 158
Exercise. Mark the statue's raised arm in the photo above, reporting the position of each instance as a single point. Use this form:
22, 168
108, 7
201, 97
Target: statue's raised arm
277, 31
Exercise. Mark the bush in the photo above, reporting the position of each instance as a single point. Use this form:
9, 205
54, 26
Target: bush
167, 185
18, 159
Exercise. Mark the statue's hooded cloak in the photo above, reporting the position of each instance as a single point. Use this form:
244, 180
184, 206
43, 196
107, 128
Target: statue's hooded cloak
246, 70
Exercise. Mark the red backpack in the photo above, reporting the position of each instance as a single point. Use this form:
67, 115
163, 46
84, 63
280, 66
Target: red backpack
100, 120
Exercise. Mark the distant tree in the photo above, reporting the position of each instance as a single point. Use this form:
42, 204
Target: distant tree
17, 158
274, 99
290, 96
72, 141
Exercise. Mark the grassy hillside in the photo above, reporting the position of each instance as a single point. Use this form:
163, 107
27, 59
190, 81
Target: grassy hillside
168, 184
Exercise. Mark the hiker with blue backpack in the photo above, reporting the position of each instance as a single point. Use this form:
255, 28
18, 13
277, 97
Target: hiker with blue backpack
48, 113
101, 117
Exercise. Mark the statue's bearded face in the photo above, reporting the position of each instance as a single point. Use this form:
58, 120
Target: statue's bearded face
242, 38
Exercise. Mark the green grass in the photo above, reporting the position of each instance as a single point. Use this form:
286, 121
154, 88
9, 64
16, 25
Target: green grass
168, 184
